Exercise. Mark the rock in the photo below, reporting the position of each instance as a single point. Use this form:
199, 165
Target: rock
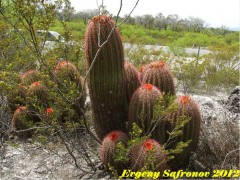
233, 102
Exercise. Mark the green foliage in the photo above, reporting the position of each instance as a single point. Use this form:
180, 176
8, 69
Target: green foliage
222, 66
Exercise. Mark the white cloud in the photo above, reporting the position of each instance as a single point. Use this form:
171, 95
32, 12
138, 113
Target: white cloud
214, 12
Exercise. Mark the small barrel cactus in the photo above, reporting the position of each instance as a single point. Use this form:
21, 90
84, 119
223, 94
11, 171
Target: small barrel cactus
65, 70
132, 81
141, 107
148, 155
39, 90
106, 78
158, 74
183, 109
22, 121
109, 147
29, 77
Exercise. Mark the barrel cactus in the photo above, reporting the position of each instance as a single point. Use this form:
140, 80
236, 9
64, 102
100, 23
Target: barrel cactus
106, 78
141, 107
158, 74
22, 121
183, 109
132, 81
148, 155
39, 91
29, 77
109, 147
66, 70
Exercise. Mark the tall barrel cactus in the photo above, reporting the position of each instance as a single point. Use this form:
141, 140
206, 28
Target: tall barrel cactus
132, 81
141, 107
158, 74
146, 155
183, 109
106, 77
109, 147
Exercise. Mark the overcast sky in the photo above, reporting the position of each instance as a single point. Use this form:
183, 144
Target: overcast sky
213, 12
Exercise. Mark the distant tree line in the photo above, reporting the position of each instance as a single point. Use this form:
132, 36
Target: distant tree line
171, 22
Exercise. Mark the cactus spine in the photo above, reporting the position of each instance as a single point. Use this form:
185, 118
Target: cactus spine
106, 78
141, 107
132, 81
158, 74
146, 154
109, 147
183, 108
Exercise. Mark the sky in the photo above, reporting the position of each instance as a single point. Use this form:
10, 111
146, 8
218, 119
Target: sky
214, 12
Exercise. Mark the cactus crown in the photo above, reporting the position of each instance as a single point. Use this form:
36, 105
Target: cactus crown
159, 64
148, 145
27, 73
184, 99
113, 136
147, 86
36, 83
101, 19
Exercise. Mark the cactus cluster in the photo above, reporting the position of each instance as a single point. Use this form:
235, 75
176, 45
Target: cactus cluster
121, 96
32, 100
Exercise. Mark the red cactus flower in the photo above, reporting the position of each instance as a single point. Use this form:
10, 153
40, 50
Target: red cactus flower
49, 111
114, 136
36, 83
184, 99
148, 145
147, 86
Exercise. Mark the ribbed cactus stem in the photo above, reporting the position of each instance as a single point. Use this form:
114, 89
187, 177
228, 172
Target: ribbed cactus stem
141, 107
183, 109
109, 147
158, 74
148, 155
106, 78
132, 81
